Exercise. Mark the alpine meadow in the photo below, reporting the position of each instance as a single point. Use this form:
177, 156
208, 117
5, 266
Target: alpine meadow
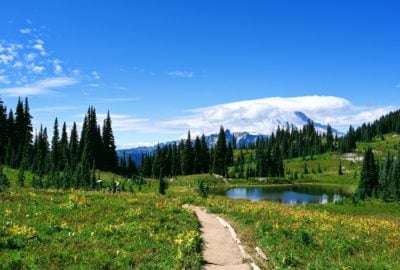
199, 135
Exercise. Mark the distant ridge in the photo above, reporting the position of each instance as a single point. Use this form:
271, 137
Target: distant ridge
242, 138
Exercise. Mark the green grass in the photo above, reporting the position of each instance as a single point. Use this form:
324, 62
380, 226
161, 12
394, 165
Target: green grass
94, 230
332, 236
76, 229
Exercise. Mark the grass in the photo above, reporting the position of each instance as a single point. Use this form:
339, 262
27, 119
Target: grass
76, 229
333, 236
49, 229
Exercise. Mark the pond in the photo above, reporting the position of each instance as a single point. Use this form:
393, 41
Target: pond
287, 194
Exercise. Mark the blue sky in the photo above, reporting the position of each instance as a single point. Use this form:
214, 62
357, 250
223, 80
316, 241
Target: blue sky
162, 67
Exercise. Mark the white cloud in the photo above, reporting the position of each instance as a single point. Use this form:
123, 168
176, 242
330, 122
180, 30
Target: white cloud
76, 72
116, 100
264, 115
30, 56
18, 65
54, 109
41, 87
4, 79
181, 74
95, 75
95, 85
39, 46
25, 31
58, 69
125, 123
37, 69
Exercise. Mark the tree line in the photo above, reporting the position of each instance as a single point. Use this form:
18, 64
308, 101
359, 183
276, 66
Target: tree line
64, 162
380, 179
196, 156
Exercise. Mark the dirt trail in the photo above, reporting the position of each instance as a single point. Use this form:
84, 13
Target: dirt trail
220, 249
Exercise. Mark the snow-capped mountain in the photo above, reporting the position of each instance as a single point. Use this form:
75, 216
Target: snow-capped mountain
297, 120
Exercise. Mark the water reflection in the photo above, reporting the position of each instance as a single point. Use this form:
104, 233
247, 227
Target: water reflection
291, 195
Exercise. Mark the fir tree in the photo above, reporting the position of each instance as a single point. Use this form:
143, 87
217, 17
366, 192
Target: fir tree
73, 147
4, 182
219, 164
187, 157
64, 148
197, 163
329, 138
368, 184
204, 155
21, 177
3, 131
340, 171
110, 154
163, 185
386, 179
55, 147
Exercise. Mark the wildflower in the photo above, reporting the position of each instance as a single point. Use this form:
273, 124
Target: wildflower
7, 212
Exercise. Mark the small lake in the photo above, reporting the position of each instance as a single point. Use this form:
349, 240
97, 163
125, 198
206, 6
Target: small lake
287, 194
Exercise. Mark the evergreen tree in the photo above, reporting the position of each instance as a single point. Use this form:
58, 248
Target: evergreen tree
73, 147
197, 162
386, 180
175, 161
3, 131
55, 148
368, 184
219, 164
157, 171
340, 171
187, 157
132, 169
329, 138
11, 141
229, 155
204, 155
21, 177
163, 185
4, 182
396, 177
110, 154
64, 148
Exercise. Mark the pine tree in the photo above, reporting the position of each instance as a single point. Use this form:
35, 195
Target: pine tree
12, 140
329, 138
4, 182
187, 157
132, 169
21, 177
197, 156
64, 148
368, 184
396, 177
219, 164
163, 185
157, 164
175, 161
3, 132
340, 171
55, 148
110, 154
386, 179
229, 155
73, 147
204, 155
